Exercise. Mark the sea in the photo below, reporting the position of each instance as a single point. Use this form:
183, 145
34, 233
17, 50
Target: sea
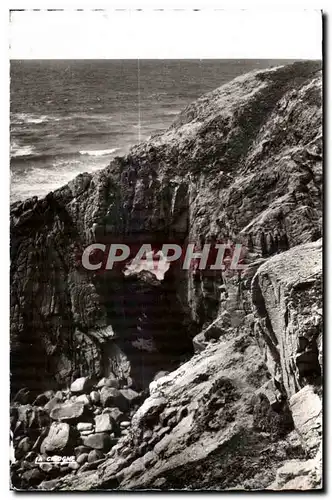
69, 117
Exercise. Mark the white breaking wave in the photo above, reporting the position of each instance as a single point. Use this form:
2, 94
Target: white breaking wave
17, 151
99, 152
21, 118
33, 118
40, 119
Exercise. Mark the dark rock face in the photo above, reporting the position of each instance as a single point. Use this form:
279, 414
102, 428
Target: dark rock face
242, 164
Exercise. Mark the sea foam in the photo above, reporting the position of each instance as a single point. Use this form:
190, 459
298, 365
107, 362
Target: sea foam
99, 152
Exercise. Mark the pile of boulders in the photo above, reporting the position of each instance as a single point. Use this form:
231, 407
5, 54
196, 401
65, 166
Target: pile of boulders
62, 432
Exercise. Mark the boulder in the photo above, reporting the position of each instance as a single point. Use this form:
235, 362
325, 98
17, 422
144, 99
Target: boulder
130, 382
67, 411
82, 384
110, 396
23, 447
124, 424
52, 403
31, 456
92, 466
74, 465
306, 408
38, 418
13, 417
114, 413
104, 423
79, 450
84, 399
40, 439
43, 398
95, 455
24, 414
109, 381
48, 485
101, 383
199, 342
130, 395
87, 432
58, 440
299, 474
273, 395
84, 426
82, 458
24, 396
33, 477
59, 395
100, 441
31, 417
46, 467
95, 397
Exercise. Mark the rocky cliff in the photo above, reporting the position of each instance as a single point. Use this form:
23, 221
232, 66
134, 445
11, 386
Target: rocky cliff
239, 402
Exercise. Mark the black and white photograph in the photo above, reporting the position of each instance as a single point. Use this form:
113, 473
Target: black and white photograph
166, 222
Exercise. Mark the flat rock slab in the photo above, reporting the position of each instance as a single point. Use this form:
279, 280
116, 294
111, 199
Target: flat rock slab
84, 426
67, 411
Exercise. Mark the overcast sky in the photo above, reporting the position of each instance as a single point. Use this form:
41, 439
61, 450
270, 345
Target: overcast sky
71, 34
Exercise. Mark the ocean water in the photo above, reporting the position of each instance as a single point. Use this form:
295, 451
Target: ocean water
68, 117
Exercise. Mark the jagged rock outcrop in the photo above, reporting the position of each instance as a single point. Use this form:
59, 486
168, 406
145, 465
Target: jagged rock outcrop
241, 164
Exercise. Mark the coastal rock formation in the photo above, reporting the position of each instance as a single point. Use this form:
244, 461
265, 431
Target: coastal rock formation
241, 164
